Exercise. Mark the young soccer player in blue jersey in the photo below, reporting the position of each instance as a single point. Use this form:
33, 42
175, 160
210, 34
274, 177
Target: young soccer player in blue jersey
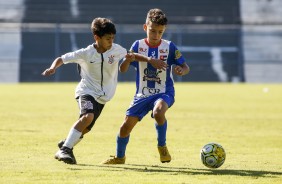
154, 87
98, 69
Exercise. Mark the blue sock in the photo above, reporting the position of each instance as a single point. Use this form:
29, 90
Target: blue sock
161, 133
121, 146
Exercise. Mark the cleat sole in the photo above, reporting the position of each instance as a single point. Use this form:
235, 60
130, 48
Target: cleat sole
165, 161
67, 160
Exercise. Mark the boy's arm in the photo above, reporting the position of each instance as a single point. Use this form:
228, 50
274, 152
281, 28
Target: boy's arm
56, 64
123, 67
130, 57
181, 69
156, 63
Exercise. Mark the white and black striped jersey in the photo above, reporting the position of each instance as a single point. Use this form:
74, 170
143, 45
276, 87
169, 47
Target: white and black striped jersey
98, 71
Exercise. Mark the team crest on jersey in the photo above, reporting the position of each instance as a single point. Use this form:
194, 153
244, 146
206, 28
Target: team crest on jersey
177, 54
111, 59
153, 54
150, 75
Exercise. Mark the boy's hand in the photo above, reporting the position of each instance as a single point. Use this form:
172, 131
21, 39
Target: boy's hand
178, 70
158, 64
48, 71
130, 57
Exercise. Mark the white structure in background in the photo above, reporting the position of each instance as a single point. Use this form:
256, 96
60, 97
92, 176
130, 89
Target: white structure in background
217, 64
262, 40
10, 47
10, 36
216, 59
11, 10
74, 8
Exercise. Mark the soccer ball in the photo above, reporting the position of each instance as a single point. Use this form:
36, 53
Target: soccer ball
213, 155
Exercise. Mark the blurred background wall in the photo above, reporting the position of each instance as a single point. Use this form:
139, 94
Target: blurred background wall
262, 40
222, 40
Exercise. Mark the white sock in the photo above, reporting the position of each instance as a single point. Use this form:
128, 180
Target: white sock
73, 138
77, 141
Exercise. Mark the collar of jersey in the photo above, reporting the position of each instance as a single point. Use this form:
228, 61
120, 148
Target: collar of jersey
146, 41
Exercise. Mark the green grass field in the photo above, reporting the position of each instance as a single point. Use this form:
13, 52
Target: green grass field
246, 119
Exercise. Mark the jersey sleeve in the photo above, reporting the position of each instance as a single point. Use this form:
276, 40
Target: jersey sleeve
176, 55
121, 52
75, 57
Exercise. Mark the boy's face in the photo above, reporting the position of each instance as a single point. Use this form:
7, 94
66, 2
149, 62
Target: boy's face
105, 42
154, 32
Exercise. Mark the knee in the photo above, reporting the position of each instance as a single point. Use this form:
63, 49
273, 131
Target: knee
159, 115
87, 118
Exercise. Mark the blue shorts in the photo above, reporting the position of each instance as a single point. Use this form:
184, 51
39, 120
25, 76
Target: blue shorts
141, 106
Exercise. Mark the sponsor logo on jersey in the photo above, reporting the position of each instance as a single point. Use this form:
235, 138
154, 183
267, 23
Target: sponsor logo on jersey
150, 75
142, 50
163, 51
163, 57
151, 91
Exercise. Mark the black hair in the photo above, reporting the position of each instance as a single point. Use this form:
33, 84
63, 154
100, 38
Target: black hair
101, 26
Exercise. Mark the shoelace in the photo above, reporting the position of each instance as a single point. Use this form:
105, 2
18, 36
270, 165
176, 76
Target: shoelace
66, 150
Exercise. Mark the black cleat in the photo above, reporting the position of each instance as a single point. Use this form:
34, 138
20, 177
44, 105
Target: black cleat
61, 143
66, 155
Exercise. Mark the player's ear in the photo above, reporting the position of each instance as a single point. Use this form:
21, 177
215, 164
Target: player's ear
145, 27
96, 37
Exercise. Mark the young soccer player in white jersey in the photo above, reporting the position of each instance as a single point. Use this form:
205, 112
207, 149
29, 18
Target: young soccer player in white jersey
98, 65
154, 87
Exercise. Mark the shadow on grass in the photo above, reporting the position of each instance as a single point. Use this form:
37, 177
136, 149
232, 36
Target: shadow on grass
181, 170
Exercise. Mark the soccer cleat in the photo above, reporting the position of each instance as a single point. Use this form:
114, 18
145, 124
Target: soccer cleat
65, 154
164, 154
114, 160
61, 143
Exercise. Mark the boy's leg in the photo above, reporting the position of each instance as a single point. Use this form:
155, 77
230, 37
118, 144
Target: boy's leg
90, 110
161, 133
65, 153
161, 127
162, 148
61, 143
159, 111
121, 146
122, 140
120, 155
72, 138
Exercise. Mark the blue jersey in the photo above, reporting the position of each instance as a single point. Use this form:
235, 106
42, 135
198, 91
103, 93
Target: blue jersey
149, 80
